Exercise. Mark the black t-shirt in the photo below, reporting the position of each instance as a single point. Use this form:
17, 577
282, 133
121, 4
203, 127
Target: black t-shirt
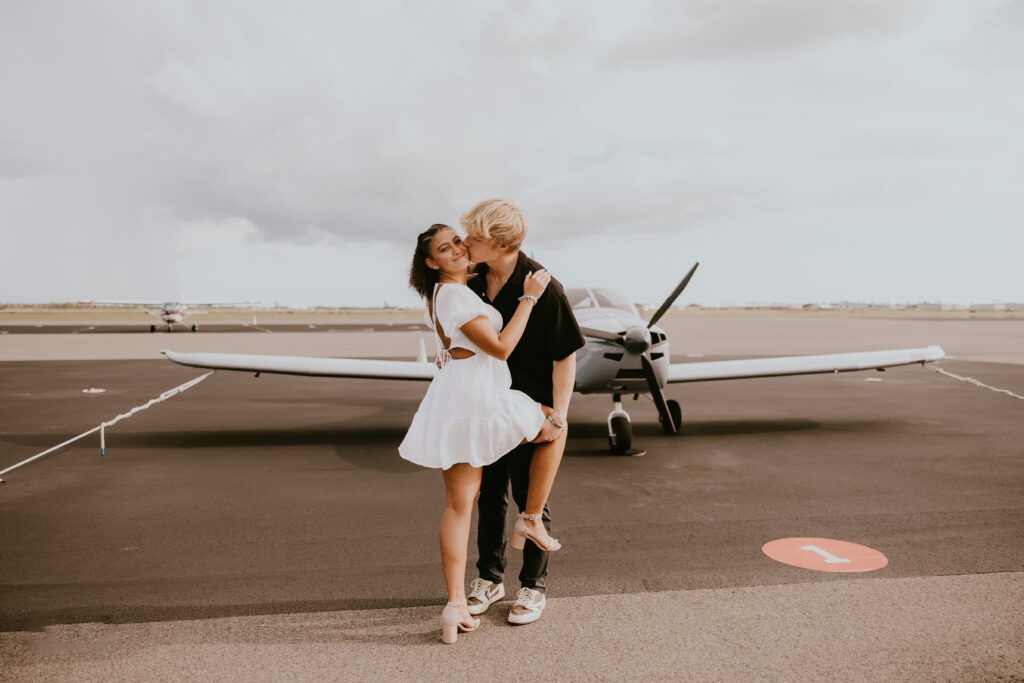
551, 332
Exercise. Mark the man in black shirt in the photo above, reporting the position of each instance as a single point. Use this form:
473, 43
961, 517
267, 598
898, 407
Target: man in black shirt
543, 366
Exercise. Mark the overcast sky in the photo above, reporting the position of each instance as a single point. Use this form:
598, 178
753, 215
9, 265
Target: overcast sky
802, 151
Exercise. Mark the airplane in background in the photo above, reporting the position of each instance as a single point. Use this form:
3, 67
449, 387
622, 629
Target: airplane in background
623, 354
171, 312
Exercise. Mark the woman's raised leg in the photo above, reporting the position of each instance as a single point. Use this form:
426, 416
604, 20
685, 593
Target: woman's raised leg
543, 468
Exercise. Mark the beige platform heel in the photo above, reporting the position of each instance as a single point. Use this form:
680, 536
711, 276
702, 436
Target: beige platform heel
452, 622
520, 532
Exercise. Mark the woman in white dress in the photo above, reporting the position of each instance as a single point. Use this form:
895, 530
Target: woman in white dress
470, 415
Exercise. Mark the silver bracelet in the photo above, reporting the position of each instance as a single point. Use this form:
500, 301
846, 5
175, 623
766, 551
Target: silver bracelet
528, 297
552, 421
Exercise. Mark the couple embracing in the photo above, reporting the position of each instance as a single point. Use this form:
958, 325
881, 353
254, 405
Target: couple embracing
495, 414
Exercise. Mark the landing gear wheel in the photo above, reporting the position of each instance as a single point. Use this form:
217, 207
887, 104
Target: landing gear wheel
152, 328
675, 411
621, 436
195, 328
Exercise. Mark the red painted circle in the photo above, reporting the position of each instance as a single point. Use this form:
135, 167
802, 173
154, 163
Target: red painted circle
825, 554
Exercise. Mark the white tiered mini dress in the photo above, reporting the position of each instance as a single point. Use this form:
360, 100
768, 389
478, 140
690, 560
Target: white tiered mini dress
470, 413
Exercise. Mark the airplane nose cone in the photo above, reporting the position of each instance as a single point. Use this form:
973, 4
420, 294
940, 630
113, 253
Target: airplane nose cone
637, 339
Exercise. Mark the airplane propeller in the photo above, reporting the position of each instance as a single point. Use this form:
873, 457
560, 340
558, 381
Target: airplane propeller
673, 296
637, 340
602, 334
634, 335
657, 394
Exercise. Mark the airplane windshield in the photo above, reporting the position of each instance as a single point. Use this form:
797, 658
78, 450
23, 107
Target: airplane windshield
579, 298
609, 298
599, 298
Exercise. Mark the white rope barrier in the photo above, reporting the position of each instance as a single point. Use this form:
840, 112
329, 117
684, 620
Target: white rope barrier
969, 380
103, 425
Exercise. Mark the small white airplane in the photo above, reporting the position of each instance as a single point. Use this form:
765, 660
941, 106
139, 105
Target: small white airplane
171, 312
623, 354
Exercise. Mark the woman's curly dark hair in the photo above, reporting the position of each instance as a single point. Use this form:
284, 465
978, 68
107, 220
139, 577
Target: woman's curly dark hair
422, 277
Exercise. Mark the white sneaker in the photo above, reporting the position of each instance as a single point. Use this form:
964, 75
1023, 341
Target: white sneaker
483, 594
528, 607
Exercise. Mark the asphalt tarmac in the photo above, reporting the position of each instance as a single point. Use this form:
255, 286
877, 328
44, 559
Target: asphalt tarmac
268, 528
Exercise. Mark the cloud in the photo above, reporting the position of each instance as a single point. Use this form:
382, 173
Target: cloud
333, 125
629, 192
709, 30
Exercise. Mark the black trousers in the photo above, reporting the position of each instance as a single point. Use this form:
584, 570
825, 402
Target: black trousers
492, 505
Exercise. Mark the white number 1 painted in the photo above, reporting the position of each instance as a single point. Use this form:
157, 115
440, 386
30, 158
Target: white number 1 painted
829, 557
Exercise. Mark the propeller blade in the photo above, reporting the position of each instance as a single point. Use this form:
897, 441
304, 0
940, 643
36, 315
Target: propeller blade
601, 334
673, 296
656, 393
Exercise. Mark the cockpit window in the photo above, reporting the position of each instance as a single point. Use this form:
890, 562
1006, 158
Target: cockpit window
609, 298
599, 298
579, 298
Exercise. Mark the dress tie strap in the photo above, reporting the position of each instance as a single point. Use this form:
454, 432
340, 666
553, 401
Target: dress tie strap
443, 355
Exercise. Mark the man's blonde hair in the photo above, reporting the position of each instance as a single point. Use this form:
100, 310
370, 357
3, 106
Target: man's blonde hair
498, 221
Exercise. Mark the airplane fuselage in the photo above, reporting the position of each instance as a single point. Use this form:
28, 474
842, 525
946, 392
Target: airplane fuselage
173, 313
603, 367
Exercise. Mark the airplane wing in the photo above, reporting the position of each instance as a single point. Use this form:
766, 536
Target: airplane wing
307, 365
678, 372
229, 304
121, 302
140, 302
800, 365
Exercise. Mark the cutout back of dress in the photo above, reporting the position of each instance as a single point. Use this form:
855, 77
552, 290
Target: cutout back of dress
444, 353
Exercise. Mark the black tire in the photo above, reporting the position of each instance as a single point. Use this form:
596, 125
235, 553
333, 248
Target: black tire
152, 328
621, 437
195, 328
676, 411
